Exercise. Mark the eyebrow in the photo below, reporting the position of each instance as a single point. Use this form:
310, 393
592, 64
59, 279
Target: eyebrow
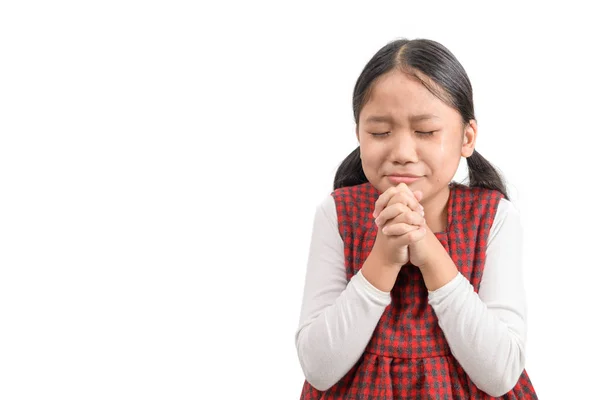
412, 118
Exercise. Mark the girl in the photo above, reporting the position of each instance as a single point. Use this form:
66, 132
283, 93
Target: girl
413, 287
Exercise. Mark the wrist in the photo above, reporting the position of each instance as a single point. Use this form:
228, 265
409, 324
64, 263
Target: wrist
437, 257
438, 271
428, 251
380, 273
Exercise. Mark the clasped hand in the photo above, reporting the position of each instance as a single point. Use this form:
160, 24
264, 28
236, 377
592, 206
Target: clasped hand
403, 235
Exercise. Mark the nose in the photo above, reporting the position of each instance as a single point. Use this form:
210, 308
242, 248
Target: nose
403, 148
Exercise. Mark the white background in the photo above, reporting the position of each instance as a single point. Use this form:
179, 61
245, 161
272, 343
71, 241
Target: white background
161, 161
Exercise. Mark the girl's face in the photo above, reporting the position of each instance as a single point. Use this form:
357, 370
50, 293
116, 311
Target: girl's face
404, 129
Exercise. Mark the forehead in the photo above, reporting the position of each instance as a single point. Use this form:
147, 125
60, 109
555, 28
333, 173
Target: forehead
400, 96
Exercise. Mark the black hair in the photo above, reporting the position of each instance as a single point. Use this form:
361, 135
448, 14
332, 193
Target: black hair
441, 70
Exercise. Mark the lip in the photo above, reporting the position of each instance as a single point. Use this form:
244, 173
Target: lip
403, 178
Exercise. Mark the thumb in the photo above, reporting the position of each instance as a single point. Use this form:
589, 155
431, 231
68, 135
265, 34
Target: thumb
418, 195
403, 253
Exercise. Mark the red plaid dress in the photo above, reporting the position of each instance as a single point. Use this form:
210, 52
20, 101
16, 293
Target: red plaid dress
408, 356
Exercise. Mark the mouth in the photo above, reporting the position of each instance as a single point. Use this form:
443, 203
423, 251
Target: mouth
397, 179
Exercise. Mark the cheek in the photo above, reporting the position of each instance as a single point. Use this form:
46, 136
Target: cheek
442, 157
371, 154
435, 152
445, 147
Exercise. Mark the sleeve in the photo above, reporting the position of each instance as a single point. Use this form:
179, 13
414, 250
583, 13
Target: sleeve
338, 317
486, 332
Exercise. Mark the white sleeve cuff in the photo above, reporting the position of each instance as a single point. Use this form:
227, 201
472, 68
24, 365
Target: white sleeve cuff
366, 289
448, 288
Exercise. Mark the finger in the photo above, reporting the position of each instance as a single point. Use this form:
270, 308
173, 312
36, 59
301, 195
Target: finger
406, 197
383, 199
416, 235
416, 218
418, 195
409, 217
409, 237
399, 229
391, 212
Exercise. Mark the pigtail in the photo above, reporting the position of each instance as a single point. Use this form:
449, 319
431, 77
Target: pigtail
350, 171
483, 174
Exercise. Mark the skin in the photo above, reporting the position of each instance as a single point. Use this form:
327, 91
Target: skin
399, 143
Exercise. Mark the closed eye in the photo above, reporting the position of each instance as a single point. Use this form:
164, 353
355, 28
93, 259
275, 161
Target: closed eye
382, 134
379, 134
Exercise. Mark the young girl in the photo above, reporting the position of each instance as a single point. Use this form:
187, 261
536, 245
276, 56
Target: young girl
414, 283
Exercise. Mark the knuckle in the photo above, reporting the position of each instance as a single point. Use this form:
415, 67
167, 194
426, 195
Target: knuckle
405, 229
402, 196
417, 218
406, 198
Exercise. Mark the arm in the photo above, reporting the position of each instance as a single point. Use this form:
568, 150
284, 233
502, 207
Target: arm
337, 317
487, 332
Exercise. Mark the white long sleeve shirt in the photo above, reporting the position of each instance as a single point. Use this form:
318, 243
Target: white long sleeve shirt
486, 332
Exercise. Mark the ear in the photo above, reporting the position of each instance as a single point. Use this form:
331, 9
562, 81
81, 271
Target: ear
469, 139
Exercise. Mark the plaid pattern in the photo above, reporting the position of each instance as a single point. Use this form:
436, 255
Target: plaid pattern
408, 356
